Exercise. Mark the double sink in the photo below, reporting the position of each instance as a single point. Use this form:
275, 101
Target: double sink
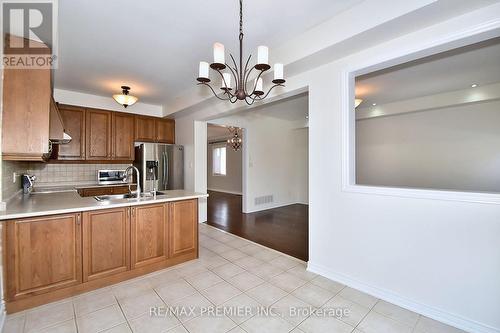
113, 197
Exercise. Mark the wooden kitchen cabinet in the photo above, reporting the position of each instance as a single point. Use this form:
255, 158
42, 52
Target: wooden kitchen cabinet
42, 254
122, 136
98, 134
26, 111
74, 123
106, 243
165, 130
183, 227
151, 129
145, 129
149, 234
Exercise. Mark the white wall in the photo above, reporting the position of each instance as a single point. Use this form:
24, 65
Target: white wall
439, 258
277, 157
448, 148
232, 181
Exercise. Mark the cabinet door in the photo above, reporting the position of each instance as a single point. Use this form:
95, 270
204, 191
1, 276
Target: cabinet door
149, 234
25, 116
165, 130
144, 129
123, 136
106, 243
93, 191
183, 227
98, 134
43, 254
74, 124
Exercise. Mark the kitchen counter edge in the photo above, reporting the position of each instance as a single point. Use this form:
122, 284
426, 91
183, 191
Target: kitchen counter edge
80, 207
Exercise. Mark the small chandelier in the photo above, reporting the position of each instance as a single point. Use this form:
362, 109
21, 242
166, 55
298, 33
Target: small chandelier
240, 74
235, 142
124, 98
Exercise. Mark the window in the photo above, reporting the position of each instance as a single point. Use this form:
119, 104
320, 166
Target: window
418, 126
219, 161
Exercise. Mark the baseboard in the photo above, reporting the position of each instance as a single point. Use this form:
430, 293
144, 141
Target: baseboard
224, 191
423, 309
272, 206
2, 316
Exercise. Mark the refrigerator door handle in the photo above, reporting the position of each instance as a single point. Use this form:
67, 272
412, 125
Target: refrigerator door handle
165, 169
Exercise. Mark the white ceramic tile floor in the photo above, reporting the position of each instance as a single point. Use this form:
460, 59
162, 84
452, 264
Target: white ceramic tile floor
230, 272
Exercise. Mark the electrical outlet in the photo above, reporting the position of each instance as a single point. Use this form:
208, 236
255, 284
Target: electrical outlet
14, 177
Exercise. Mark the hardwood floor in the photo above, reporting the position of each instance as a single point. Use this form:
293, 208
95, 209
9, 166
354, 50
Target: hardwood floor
284, 229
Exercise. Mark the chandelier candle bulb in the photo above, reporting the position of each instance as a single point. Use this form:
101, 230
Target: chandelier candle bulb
219, 57
259, 87
203, 72
262, 55
226, 82
278, 71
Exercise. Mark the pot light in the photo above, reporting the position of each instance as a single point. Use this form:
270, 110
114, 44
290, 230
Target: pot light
124, 98
374, 104
357, 101
474, 85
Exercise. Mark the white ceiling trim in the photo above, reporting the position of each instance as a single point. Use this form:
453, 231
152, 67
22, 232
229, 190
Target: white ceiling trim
106, 103
432, 102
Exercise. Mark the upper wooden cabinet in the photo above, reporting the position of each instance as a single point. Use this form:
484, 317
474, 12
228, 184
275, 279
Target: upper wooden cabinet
98, 135
25, 117
122, 136
106, 243
165, 130
145, 129
74, 122
42, 254
150, 129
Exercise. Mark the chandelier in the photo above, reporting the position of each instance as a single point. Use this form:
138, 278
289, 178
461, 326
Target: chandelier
240, 74
235, 141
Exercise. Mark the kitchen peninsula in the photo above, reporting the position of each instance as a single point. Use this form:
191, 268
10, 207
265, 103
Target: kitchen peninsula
61, 244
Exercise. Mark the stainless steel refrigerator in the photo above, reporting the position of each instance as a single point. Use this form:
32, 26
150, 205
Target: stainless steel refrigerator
160, 163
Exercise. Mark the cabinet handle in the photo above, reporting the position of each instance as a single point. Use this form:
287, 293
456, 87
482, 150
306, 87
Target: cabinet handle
133, 211
78, 219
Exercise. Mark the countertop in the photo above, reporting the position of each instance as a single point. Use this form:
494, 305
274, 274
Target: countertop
22, 206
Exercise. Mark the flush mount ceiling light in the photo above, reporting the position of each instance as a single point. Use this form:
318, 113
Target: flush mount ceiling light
235, 142
240, 74
357, 101
124, 98
474, 85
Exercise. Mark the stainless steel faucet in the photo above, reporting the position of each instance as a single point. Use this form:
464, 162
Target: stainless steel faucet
137, 176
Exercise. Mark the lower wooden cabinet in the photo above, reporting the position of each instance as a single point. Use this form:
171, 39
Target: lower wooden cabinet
42, 254
52, 257
183, 226
106, 249
149, 237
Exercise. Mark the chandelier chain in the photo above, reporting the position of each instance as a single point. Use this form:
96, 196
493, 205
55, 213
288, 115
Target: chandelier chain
241, 18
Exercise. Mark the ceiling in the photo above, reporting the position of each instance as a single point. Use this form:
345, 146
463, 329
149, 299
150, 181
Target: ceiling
215, 132
293, 108
155, 48
449, 71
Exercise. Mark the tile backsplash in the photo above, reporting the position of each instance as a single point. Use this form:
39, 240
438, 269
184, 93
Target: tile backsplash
9, 188
50, 174
69, 173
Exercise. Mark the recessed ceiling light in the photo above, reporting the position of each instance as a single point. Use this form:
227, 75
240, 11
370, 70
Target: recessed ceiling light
474, 85
374, 104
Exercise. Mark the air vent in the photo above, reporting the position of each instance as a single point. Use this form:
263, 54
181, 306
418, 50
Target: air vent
264, 199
